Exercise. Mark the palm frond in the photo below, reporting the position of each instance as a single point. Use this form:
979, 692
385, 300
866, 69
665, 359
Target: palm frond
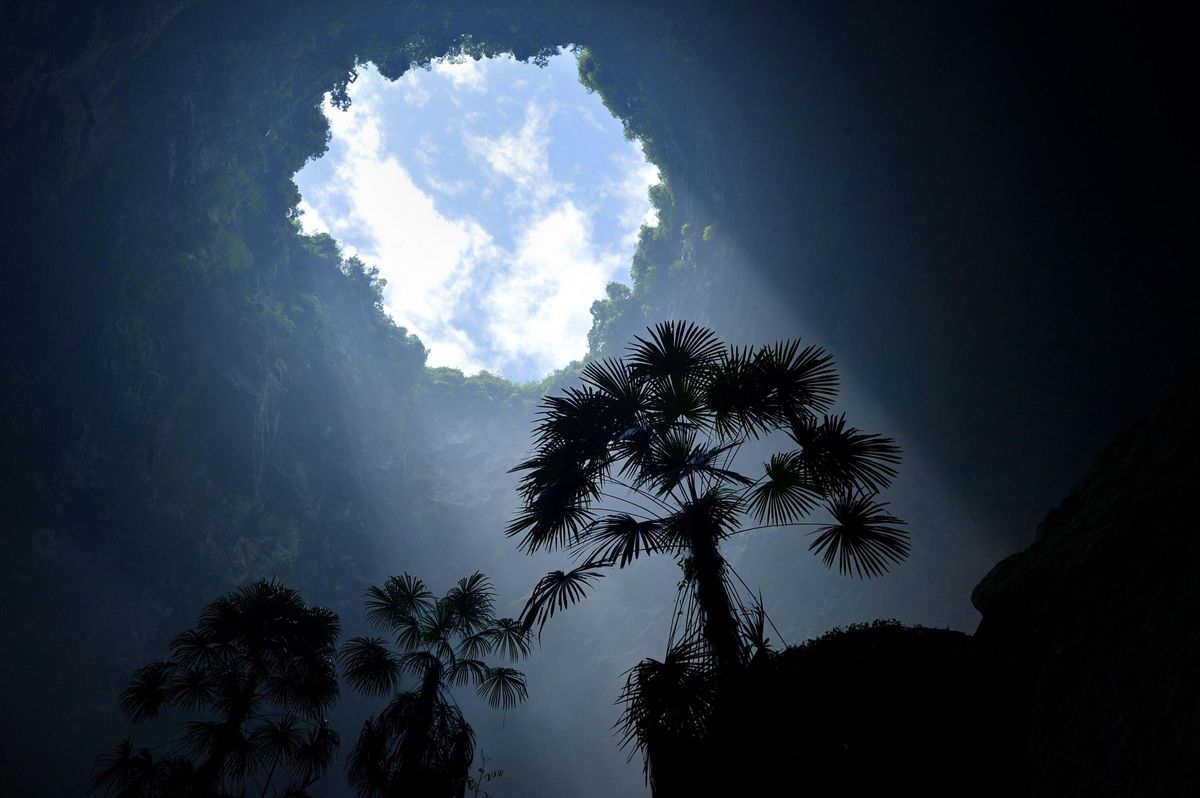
510, 639
314, 756
401, 598
802, 381
149, 691
192, 689
739, 397
557, 590
842, 458
278, 739
674, 349
865, 539
369, 666
471, 602
580, 417
192, 649
476, 645
466, 671
667, 704
786, 494
368, 766
421, 664
126, 771
503, 688
626, 395
678, 456
620, 539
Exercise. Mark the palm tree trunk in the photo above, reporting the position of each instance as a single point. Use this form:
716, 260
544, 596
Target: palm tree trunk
412, 758
719, 623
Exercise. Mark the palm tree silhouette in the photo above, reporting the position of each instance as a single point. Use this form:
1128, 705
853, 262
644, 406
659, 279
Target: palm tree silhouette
420, 744
259, 668
641, 460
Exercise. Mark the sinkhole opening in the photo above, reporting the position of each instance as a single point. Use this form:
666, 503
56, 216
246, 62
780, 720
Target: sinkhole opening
497, 198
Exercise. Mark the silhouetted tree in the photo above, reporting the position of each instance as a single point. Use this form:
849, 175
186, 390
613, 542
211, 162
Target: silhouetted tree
641, 460
420, 744
259, 671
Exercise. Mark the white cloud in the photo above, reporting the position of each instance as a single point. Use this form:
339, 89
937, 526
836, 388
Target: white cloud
463, 73
521, 308
540, 308
522, 157
428, 259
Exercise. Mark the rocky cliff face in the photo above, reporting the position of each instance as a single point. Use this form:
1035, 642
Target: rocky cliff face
1082, 679
1095, 623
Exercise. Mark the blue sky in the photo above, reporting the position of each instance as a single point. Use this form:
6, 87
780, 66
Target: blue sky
496, 197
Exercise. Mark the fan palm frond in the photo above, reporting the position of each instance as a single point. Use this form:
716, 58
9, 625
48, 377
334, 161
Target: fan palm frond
557, 590
674, 349
126, 771
786, 494
192, 689
476, 645
582, 418
149, 691
422, 664
678, 456
316, 753
368, 766
510, 639
614, 380
278, 739
620, 539
865, 539
192, 649
369, 666
841, 458
503, 688
667, 703
738, 396
554, 513
471, 602
401, 598
466, 671
802, 381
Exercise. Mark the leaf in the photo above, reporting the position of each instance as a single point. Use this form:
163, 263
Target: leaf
738, 396
400, 599
503, 688
668, 703
674, 350
476, 645
801, 381
555, 591
840, 458
510, 639
865, 540
786, 494
465, 671
470, 603
620, 539
149, 691
369, 666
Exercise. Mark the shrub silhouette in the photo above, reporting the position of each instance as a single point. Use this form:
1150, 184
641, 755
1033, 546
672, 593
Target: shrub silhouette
258, 670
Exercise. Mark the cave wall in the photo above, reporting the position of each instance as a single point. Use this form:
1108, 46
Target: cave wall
982, 213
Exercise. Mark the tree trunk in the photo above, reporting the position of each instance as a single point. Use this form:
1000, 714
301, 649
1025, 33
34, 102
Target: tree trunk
719, 624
